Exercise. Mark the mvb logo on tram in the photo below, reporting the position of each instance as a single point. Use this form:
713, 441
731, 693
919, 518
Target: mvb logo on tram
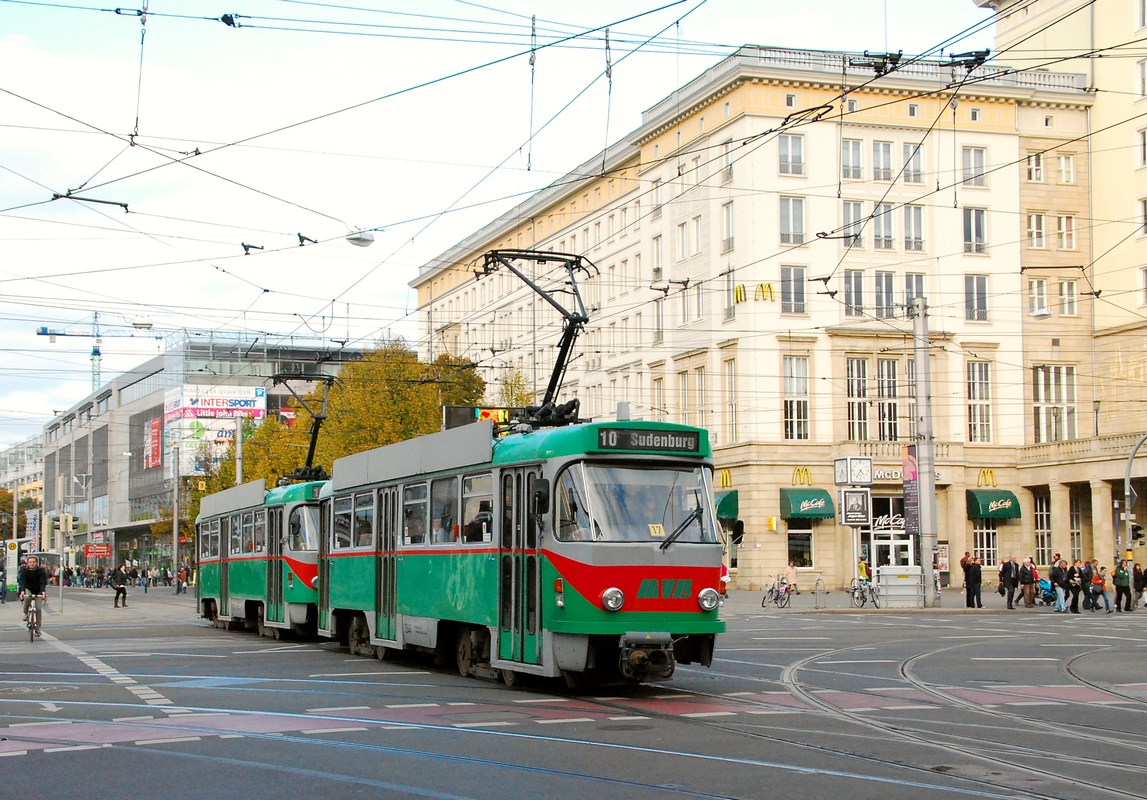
652, 589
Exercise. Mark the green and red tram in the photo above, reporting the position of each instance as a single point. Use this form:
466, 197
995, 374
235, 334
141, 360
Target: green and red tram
589, 551
258, 553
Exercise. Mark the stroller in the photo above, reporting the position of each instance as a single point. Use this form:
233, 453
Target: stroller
1045, 594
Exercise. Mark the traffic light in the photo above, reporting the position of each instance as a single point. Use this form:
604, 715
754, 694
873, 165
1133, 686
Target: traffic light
1136, 533
47, 533
67, 523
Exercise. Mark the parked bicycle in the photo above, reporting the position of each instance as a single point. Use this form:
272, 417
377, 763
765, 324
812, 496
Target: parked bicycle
777, 594
861, 592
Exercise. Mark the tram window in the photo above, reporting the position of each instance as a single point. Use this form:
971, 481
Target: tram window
214, 539
364, 520
444, 511
204, 540
414, 514
260, 531
573, 514
236, 535
478, 507
341, 533
248, 532
304, 528
531, 594
507, 512
531, 526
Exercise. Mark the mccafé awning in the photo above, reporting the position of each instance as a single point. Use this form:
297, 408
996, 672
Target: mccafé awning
728, 504
992, 504
806, 504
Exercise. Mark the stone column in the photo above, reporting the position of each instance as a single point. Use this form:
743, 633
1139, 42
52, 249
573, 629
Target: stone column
1102, 525
1061, 519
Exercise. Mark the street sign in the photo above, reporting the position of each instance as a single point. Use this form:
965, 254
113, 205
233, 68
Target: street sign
97, 551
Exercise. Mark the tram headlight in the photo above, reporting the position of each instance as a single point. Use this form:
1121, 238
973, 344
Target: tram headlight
315, 582
613, 599
708, 599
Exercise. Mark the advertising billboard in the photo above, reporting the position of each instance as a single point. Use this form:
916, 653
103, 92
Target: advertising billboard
201, 420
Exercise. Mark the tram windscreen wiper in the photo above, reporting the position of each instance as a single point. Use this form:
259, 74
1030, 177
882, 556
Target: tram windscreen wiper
694, 516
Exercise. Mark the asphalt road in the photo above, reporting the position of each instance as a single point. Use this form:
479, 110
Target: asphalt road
150, 702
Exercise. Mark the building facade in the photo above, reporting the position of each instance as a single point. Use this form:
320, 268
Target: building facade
756, 244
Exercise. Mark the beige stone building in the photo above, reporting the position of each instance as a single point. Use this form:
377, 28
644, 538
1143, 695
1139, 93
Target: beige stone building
758, 239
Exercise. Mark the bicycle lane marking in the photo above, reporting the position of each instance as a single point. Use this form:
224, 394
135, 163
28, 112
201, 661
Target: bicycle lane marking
145, 693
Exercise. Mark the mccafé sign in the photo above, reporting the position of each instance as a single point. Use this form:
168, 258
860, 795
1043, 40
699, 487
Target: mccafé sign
999, 505
812, 505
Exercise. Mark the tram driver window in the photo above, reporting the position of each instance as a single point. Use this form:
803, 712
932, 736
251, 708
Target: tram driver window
260, 531
364, 520
444, 511
573, 516
414, 514
342, 528
800, 542
297, 535
478, 507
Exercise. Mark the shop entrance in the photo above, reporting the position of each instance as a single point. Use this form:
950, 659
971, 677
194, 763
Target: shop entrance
886, 543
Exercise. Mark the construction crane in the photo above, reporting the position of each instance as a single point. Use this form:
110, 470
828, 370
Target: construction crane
139, 327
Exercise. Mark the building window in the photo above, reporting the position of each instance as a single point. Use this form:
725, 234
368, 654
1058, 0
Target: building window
702, 399
976, 115
882, 161
790, 101
888, 408
792, 220
976, 297
657, 198
1141, 79
695, 236
727, 161
1067, 169
1053, 414
913, 164
682, 241
800, 542
726, 227
850, 166
979, 402
913, 286
884, 300
974, 166
659, 320
913, 110
683, 397
730, 295
1075, 526
731, 400
659, 399
853, 293
914, 228
1036, 231
685, 297
698, 290
792, 154
796, 397
1037, 295
792, 290
1065, 228
857, 399
656, 255
882, 226
1143, 286
852, 105
852, 223
985, 541
910, 379
1068, 298
1042, 518
1035, 167
975, 231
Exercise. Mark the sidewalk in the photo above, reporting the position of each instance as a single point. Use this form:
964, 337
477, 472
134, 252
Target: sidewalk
84, 606
952, 601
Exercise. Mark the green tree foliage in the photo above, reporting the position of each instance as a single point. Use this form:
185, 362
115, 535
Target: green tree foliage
514, 390
27, 504
389, 396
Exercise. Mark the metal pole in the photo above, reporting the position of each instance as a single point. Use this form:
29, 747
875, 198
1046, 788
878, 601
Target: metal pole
926, 446
238, 451
175, 517
1128, 504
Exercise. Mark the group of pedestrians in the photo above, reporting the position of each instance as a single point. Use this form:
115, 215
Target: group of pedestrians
1071, 587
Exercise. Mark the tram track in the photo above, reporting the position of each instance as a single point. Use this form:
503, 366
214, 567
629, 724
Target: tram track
1071, 673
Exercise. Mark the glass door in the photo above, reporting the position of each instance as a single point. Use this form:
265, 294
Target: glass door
519, 569
386, 601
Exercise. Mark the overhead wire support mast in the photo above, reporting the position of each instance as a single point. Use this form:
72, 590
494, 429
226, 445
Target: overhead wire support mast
549, 414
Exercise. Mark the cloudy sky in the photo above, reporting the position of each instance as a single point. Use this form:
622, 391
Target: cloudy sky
318, 118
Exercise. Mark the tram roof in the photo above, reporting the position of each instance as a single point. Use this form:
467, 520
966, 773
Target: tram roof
295, 493
572, 440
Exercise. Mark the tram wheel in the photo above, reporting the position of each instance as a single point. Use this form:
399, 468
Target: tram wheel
509, 677
465, 652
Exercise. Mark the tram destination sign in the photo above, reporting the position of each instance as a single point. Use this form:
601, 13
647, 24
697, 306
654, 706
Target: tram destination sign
648, 441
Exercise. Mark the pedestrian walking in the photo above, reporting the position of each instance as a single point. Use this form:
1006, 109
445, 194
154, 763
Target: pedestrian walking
1059, 582
1099, 586
1074, 585
974, 581
119, 583
1010, 579
1122, 581
1028, 580
1139, 583
791, 577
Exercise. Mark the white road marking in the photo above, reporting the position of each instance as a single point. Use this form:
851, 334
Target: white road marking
331, 730
45, 722
545, 700
619, 719
355, 674
791, 638
337, 708
169, 741
870, 661
71, 748
1014, 658
559, 721
413, 705
14, 753
711, 714
500, 724
130, 719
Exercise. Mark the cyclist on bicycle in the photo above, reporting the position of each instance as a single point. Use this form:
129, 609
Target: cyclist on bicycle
34, 587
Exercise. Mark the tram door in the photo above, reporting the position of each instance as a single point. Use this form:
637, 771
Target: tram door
325, 566
274, 609
386, 578
224, 564
518, 570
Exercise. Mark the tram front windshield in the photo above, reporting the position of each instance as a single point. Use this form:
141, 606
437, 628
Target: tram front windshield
603, 503
303, 528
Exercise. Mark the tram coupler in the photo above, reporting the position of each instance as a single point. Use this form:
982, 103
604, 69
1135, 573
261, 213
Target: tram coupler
646, 656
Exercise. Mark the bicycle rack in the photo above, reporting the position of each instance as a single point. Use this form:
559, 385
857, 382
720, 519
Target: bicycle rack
820, 589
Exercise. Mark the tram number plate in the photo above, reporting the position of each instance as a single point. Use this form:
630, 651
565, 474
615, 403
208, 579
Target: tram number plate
648, 441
